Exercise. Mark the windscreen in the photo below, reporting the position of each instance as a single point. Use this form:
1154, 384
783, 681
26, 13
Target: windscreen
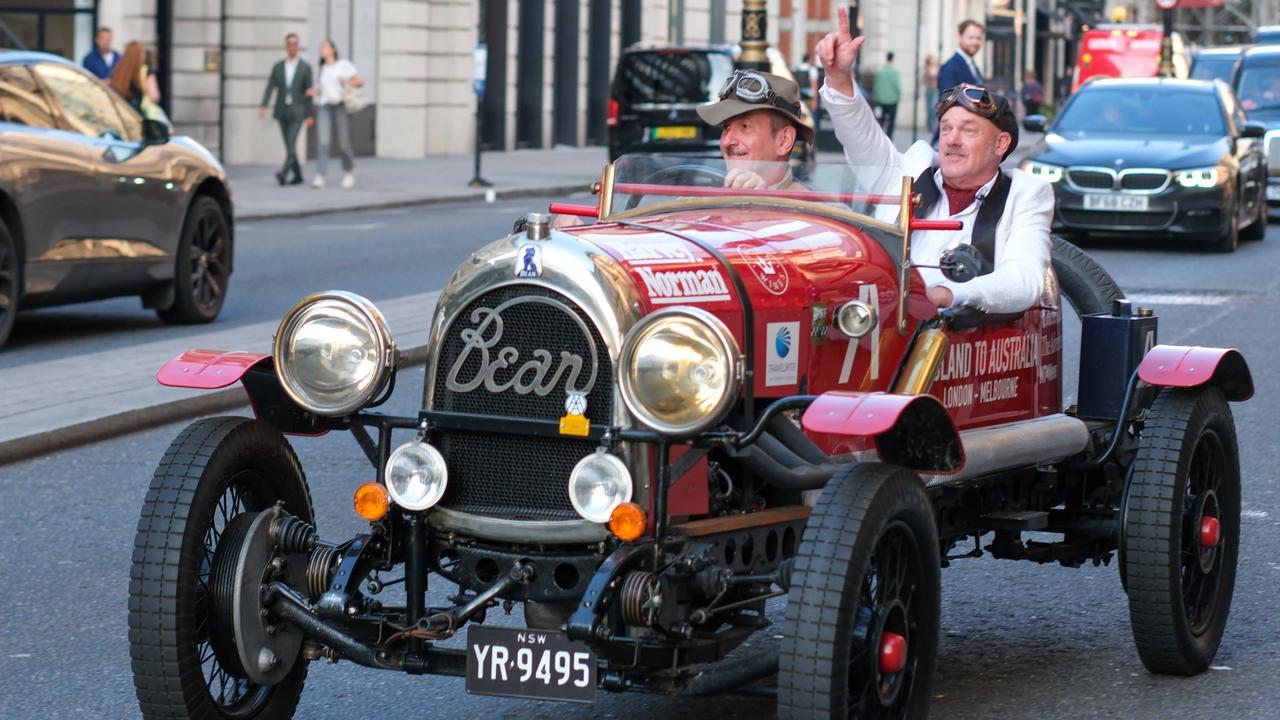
1141, 110
643, 181
671, 76
1259, 87
1214, 67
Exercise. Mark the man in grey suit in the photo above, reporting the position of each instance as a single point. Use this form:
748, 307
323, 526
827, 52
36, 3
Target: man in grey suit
291, 80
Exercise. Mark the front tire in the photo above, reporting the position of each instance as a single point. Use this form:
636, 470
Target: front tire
10, 283
1186, 473
868, 567
1229, 240
203, 265
215, 470
1257, 229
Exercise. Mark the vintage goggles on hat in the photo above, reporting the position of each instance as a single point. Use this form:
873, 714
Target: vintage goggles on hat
973, 98
750, 86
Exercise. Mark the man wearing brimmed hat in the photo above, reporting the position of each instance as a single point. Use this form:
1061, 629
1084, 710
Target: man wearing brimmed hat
1006, 214
759, 118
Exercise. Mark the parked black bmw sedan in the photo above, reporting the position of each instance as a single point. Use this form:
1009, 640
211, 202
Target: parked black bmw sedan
1154, 157
96, 202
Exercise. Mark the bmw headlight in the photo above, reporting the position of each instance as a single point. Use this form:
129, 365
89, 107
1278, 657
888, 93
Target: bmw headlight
416, 476
333, 353
679, 370
1205, 177
599, 483
1044, 171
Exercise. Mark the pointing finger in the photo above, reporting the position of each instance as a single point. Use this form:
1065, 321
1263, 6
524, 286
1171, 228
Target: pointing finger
842, 22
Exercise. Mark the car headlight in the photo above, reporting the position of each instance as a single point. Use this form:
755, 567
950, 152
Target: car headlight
679, 370
599, 483
333, 353
416, 476
1044, 171
1205, 177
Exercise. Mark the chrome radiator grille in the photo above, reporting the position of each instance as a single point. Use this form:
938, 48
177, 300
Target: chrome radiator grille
518, 477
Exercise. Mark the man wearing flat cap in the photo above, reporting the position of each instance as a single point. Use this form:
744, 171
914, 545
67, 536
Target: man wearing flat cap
759, 118
1006, 215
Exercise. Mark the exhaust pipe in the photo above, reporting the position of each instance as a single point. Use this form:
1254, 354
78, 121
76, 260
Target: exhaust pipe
1019, 444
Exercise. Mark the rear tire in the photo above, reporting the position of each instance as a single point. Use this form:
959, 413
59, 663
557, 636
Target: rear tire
10, 283
868, 565
202, 265
214, 471
1085, 284
1187, 469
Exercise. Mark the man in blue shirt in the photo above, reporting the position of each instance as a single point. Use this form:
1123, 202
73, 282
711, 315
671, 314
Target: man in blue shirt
102, 59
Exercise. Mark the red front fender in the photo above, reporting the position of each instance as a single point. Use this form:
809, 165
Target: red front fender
914, 431
213, 369
1180, 366
208, 369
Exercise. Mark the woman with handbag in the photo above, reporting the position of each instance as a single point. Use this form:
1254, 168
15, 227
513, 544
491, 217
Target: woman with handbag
339, 92
135, 82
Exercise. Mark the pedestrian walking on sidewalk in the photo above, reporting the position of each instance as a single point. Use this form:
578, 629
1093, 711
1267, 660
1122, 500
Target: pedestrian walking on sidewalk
338, 92
1032, 94
135, 82
885, 93
290, 80
929, 81
102, 59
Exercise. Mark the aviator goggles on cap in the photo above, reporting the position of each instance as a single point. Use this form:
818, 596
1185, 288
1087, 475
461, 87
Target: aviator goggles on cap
973, 98
752, 87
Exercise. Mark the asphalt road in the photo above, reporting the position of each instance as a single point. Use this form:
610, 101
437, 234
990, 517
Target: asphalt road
1019, 640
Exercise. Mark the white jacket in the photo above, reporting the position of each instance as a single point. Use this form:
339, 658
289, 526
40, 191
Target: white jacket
1022, 244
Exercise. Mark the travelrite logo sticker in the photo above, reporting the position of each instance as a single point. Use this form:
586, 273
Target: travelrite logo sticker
782, 357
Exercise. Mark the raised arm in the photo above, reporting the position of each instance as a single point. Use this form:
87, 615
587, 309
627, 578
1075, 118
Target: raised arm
863, 140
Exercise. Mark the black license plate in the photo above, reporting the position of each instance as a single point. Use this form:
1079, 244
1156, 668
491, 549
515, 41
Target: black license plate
535, 664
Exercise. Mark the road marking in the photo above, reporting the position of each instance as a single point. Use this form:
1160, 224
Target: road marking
341, 227
1175, 298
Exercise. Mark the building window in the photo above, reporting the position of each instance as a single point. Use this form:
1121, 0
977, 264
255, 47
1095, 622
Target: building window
61, 27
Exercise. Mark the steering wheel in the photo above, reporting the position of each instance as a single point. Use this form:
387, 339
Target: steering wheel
692, 174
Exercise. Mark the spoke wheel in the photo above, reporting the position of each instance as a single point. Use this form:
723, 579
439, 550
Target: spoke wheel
214, 472
1182, 531
10, 274
862, 612
203, 265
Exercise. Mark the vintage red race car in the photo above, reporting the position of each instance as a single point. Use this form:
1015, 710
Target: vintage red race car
642, 429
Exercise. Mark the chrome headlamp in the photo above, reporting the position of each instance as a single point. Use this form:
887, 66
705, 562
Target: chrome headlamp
679, 370
416, 476
599, 483
333, 353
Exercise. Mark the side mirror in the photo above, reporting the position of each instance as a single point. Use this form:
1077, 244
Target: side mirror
154, 132
963, 263
1253, 129
1034, 123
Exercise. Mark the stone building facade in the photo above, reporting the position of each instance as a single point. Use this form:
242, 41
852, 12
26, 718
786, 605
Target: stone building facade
548, 63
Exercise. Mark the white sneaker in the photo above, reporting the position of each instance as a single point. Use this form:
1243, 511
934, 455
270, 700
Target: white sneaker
348, 180
318, 183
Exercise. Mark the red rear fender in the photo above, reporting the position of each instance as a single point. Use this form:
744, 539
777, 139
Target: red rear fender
1180, 366
914, 431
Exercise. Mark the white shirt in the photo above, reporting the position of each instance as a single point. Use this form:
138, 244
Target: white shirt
1022, 244
332, 76
290, 67
973, 68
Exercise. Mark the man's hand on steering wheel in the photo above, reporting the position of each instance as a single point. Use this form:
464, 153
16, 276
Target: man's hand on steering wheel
744, 179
